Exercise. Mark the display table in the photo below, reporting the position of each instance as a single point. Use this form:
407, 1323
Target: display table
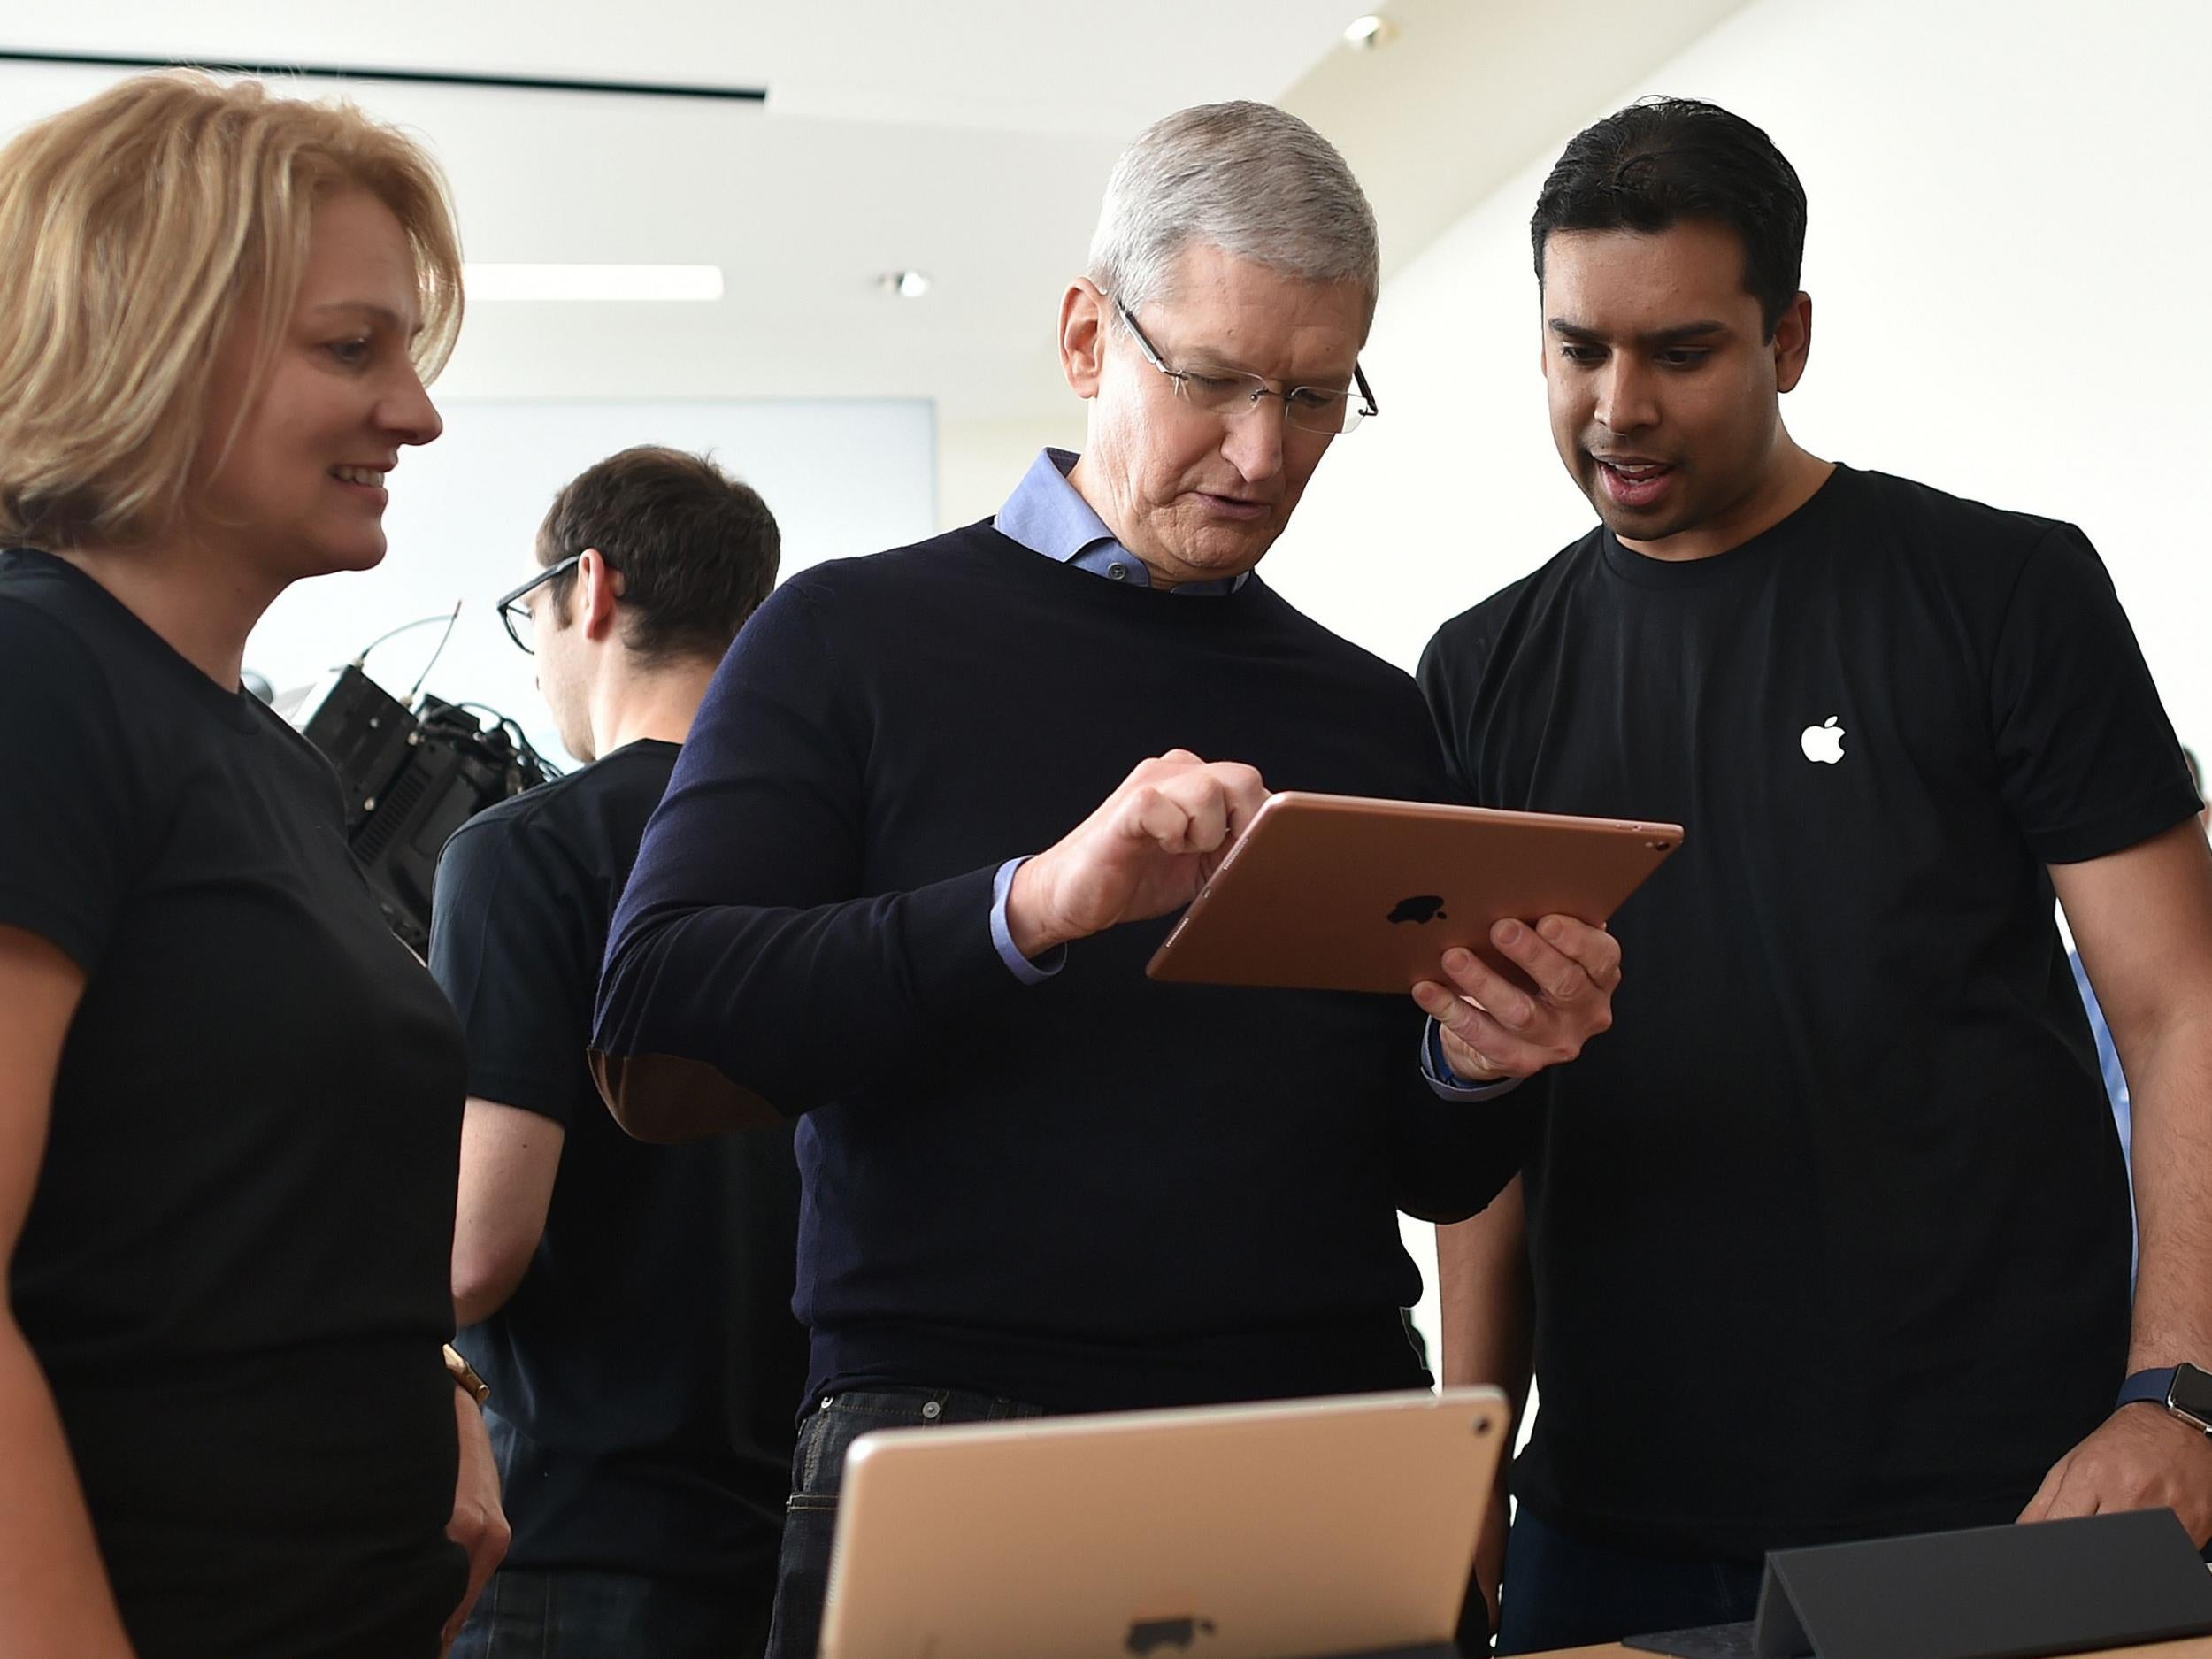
2196, 1648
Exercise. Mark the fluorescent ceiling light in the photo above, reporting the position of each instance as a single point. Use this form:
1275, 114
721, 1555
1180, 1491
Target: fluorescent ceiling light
592, 281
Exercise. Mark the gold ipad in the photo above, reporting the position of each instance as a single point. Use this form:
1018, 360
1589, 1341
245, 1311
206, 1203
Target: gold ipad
1256, 1531
1340, 893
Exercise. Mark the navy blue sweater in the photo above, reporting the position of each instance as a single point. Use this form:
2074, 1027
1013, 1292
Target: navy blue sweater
1094, 1193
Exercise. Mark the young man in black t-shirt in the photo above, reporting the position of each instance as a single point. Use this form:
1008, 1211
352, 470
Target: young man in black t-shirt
1830, 1238
629, 1304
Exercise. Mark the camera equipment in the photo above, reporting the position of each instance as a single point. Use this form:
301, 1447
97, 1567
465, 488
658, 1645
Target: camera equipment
411, 778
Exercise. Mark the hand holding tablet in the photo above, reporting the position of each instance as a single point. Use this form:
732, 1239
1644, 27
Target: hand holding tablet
1149, 848
1493, 921
1344, 893
1493, 1028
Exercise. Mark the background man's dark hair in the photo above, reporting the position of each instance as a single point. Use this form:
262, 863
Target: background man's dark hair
1658, 163
697, 550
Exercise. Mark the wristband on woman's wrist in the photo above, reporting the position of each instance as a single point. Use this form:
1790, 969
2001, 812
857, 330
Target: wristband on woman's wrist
465, 1376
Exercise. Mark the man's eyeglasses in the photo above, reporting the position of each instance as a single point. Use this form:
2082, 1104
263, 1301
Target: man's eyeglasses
1308, 408
516, 614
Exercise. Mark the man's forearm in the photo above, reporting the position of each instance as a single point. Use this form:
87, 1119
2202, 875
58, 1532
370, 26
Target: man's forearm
55, 1602
2170, 1089
1487, 1301
1485, 1298
511, 1157
795, 1005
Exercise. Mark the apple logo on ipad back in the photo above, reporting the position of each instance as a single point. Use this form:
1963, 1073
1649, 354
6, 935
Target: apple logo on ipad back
1823, 743
1149, 1635
1420, 907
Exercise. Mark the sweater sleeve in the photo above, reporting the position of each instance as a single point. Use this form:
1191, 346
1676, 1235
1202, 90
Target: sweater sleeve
747, 975
1451, 1157
1453, 1147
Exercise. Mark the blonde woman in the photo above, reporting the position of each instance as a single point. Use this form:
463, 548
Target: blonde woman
231, 1102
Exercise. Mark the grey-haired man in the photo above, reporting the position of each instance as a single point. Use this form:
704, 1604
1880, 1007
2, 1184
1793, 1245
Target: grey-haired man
1035, 1181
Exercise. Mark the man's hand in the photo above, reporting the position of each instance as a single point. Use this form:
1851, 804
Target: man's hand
2141, 1457
479, 1524
1490, 1550
1146, 851
1493, 1029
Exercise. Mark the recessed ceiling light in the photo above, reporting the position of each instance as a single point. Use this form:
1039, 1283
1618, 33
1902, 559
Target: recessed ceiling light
592, 281
1365, 34
906, 285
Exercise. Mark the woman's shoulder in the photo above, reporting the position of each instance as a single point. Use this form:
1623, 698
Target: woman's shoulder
54, 648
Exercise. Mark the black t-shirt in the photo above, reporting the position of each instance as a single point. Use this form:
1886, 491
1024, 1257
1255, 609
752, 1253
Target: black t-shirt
1831, 1231
645, 1372
234, 1270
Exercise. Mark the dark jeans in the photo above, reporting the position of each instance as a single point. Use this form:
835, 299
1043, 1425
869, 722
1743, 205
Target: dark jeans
817, 1471
1562, 1591
528, 1615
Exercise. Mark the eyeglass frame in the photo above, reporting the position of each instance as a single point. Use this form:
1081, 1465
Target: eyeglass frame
513, 602
1369, 408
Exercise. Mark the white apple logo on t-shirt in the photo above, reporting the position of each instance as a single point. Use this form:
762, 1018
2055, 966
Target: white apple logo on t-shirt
1823, 743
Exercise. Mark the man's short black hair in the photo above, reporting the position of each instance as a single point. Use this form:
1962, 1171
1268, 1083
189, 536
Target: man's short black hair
1656, 163
697, 550
2196, 768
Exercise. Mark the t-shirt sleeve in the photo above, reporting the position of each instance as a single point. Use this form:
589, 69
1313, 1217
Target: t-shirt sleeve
70, 801
509, 945
2088, 761
1450, 664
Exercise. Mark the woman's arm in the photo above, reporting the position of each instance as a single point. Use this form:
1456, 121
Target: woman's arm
55, 1602
479, 1521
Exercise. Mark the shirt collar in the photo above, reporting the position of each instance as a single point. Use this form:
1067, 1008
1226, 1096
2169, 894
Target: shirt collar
1049, 515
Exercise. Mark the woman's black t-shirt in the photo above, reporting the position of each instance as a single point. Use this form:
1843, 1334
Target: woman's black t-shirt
234, 1269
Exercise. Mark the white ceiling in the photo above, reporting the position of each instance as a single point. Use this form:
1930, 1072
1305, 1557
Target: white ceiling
1473, 91
967, 138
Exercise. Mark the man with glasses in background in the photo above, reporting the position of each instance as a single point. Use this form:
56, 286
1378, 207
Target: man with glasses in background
883, 893
628, 1305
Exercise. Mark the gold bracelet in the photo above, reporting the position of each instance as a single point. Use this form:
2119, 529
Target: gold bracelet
465, 1376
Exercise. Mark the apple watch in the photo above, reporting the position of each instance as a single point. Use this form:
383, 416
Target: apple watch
2182, 1390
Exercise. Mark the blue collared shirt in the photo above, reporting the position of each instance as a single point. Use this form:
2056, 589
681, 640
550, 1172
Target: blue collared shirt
1048, 515
2115, 1080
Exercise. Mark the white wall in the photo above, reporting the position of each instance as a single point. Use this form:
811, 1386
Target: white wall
842, 477
979, 463
2011, 240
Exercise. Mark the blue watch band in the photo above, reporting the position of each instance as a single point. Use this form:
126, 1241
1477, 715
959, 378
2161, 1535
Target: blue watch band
2147, 1388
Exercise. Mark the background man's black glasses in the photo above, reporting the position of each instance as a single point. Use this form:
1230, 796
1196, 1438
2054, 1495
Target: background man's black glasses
516, 615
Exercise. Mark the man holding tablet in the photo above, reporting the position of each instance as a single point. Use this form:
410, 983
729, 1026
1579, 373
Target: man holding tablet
1830, 1238
1035, 1181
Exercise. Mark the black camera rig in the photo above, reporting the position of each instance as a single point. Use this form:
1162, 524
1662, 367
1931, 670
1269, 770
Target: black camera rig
412, 777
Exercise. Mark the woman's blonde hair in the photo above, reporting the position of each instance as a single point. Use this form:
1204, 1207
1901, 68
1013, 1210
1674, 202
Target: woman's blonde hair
135, 227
